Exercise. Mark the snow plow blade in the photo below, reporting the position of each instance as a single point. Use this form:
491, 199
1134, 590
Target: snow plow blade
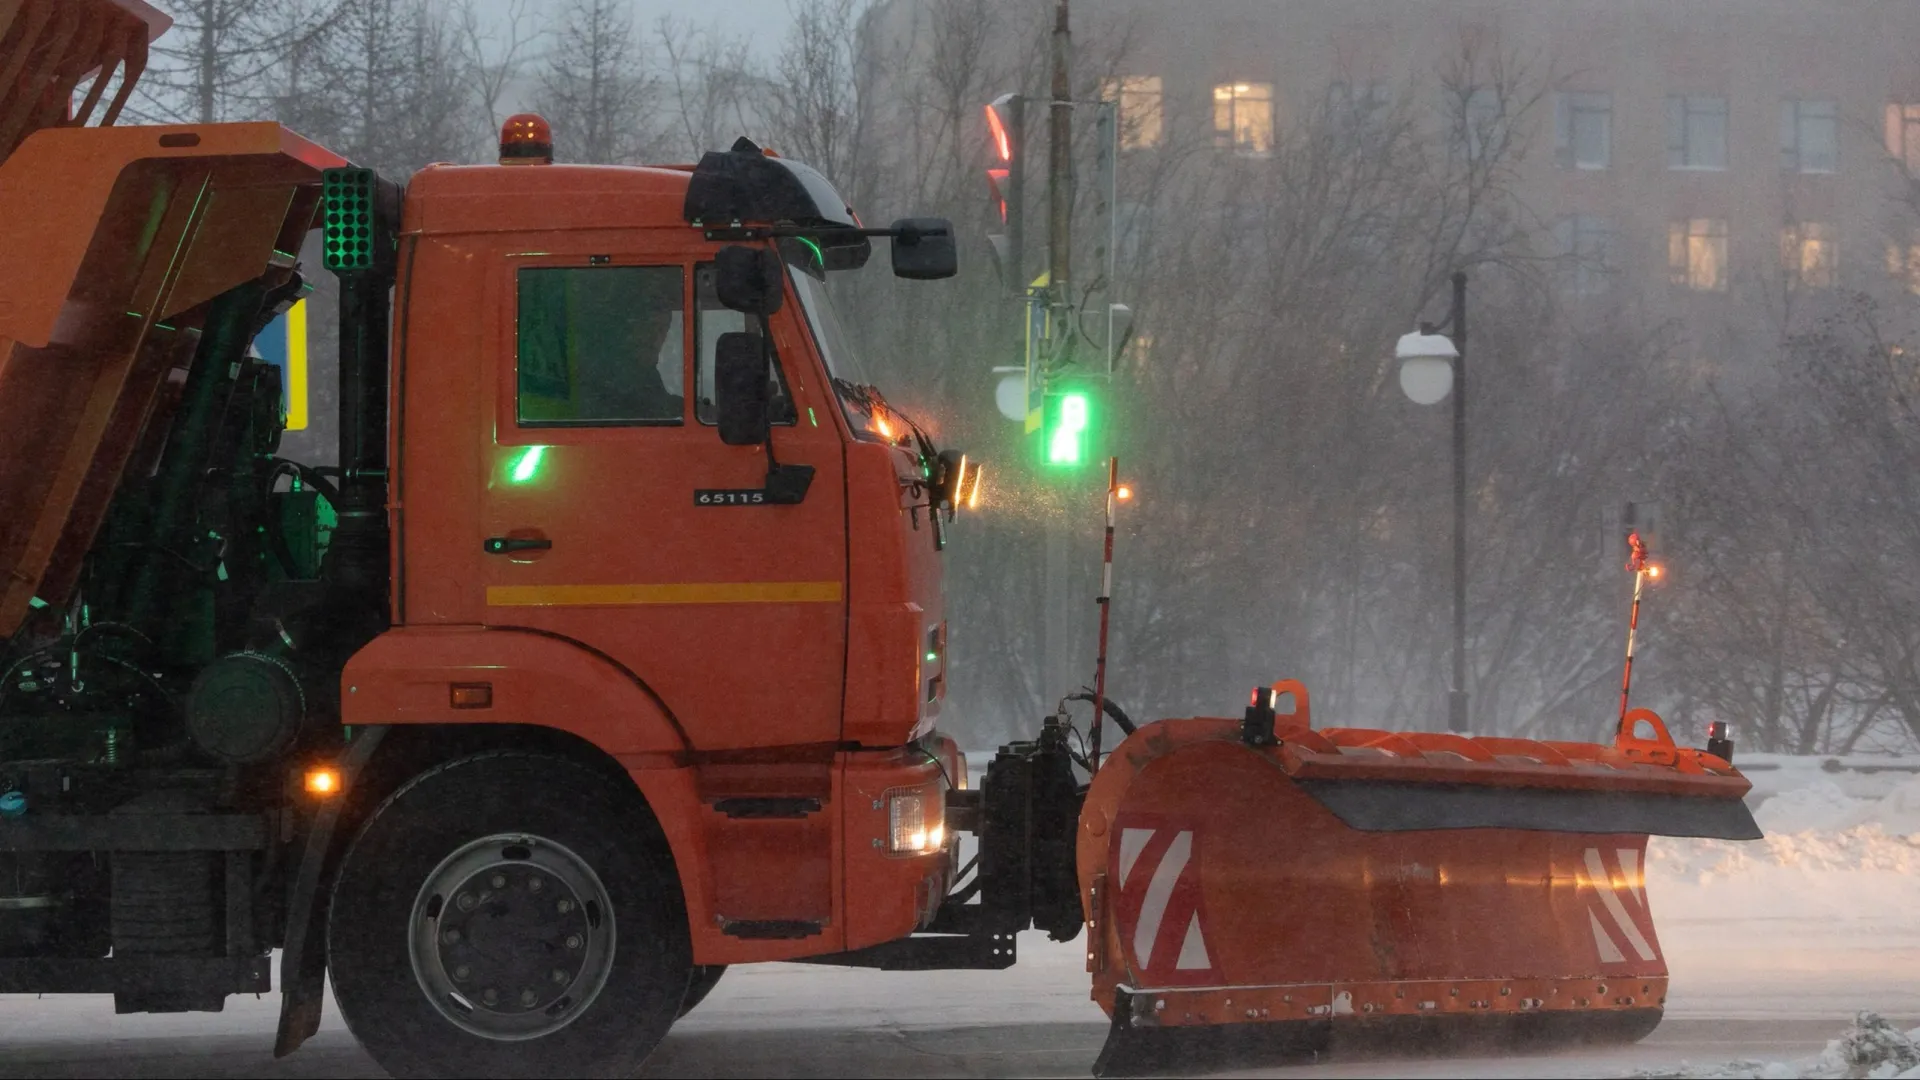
1257, 891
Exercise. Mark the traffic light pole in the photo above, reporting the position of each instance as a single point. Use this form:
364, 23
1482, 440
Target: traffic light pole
1061, 604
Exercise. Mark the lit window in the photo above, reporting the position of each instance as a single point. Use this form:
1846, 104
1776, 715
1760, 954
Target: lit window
1903, 135
1809, 136
1697, 254
1585, 242
1696, 133
1583, 130
1903, 265
1243, 118
1807, 256
1139, 98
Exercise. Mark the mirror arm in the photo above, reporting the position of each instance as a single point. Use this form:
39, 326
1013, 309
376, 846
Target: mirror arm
785, 484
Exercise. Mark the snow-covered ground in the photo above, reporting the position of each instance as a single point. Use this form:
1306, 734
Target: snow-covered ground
1774, 946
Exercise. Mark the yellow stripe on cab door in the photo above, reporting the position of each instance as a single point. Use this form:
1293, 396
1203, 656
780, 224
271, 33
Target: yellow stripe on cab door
717, 592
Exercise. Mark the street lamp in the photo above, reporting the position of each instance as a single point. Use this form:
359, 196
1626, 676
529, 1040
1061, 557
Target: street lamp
1431, 366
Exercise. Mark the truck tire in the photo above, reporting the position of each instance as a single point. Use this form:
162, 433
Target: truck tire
705, 978
504, 915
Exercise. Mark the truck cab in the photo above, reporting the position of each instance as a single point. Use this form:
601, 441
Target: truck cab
577, 547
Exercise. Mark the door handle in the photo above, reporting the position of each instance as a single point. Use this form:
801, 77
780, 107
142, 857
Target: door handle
506, 545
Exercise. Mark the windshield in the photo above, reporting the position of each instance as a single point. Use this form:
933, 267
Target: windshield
836, 345
867, 412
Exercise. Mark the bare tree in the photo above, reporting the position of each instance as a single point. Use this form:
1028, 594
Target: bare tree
816, 114
712, 81
222, 58
494, 54
595, 86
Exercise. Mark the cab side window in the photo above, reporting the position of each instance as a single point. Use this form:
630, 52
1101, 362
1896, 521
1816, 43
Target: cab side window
711, 319
601, 346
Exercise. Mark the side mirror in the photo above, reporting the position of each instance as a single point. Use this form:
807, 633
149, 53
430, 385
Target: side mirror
923, 249
748, 279
740, 389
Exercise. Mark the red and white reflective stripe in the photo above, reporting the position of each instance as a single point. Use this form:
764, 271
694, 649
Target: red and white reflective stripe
1172, 887
1620, 925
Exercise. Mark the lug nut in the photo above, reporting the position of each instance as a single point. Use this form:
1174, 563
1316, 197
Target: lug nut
564, 906
528, 997
490, 996
535, 884
465, 901
451, 937
498, 881
559, 976
462, 973
573, 941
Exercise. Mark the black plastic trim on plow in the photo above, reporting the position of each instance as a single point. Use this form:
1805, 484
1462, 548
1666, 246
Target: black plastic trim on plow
1147, 1050
1392, 806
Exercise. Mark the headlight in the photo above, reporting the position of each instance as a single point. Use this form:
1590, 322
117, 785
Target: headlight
916, 820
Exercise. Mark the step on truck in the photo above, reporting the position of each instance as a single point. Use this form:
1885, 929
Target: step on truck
610, 650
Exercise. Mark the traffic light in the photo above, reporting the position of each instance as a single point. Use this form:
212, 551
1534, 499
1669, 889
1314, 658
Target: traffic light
1006, 182
1067, 428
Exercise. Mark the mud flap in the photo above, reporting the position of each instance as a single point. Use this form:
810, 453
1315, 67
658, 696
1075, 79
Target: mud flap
303, 961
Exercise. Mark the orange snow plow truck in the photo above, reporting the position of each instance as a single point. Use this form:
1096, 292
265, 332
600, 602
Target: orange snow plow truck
609, 652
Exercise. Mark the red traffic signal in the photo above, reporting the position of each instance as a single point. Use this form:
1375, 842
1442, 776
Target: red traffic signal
1006, 169
1000, 128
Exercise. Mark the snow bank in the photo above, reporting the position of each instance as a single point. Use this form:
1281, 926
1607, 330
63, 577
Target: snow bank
1871, 1047
1818, 827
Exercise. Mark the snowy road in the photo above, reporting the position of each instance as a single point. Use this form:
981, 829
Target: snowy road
1772, 948
1742, 989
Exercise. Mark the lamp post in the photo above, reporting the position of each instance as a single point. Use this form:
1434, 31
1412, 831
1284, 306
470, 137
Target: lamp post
1431, 365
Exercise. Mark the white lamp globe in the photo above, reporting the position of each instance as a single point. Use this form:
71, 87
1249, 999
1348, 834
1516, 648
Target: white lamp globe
1426, 366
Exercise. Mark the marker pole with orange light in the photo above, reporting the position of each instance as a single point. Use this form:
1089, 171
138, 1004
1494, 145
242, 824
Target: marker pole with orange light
1106, 608
1636, 562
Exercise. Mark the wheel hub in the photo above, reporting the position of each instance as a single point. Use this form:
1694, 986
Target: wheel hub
512, 937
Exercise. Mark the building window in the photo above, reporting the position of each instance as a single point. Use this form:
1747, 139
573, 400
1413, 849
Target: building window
1903, 265
1696, 133
1903, 135
1807, 255
1583, 130
600, 346
1243, 118
1586, 243
1697, 254
1809, 136
1139, 100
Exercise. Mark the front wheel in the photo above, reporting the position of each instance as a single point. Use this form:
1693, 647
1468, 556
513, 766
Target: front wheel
501, 915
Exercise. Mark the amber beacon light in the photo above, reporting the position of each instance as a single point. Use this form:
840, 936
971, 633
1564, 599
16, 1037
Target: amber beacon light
526, 139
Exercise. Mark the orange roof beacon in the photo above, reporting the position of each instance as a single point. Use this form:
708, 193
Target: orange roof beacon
610, 651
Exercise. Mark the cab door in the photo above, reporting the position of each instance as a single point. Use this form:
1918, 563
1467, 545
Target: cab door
613, 515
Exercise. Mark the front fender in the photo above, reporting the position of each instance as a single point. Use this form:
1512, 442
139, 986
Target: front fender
406, 676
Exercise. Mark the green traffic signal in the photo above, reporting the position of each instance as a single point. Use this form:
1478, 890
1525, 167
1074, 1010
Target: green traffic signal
1067, 429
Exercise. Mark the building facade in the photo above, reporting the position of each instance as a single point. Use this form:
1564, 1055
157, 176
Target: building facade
1717, 162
